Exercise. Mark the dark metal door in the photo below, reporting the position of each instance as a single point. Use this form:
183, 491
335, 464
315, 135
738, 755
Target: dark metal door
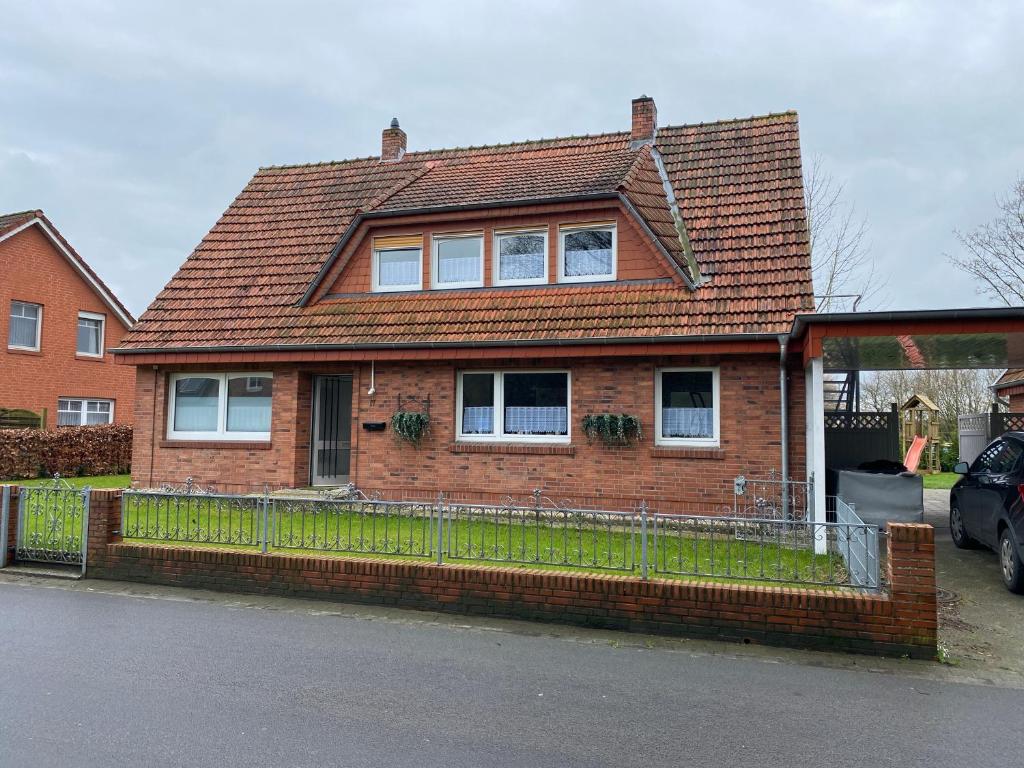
332, 430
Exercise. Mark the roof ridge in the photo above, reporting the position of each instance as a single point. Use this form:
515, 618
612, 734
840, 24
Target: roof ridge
12, 214
731, 120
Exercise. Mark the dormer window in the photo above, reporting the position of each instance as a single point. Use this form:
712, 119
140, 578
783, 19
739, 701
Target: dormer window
458, 261
521, 258
587, 253
398, 263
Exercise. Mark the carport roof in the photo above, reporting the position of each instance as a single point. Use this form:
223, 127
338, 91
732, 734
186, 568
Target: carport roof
917, 339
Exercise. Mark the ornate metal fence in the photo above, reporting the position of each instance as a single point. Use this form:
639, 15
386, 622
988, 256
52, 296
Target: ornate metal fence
53, 524
779, 548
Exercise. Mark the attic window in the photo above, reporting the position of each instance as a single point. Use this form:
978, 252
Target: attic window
398, 263
521, 258
458, 261
587, 253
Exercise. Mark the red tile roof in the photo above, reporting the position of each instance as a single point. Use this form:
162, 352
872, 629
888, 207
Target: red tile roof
11, 221
738, 187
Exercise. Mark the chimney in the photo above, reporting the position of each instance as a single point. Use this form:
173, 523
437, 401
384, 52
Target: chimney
645, 121
392, 143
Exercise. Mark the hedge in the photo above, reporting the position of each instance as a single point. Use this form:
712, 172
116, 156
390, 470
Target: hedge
72, 451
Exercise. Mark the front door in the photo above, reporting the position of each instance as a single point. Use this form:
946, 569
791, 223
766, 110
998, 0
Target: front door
332, 430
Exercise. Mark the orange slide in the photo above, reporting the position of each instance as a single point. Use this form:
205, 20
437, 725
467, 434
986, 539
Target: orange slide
914, 454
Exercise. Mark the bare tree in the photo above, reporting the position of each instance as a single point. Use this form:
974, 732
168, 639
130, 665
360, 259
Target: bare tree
841, 263
995, 251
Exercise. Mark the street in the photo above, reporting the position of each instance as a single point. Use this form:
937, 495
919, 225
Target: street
103, 673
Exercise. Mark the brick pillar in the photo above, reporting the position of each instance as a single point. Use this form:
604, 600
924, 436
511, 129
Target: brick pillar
912, 582
104, 526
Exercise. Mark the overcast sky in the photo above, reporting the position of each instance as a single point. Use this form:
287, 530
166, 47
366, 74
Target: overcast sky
134, 124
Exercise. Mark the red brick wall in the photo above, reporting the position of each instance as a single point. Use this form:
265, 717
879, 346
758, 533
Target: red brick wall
34, 271
903, 622
636, 258
588, 473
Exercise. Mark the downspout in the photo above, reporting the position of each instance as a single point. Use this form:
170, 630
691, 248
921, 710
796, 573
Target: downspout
784, 422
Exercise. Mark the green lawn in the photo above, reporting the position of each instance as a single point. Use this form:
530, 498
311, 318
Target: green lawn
97, 481
542, 541
943, 480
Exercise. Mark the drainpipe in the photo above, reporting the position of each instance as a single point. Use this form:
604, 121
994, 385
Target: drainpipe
784, 421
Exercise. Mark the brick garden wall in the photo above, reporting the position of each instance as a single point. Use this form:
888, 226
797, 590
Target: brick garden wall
671, 479
34, 271
902, 622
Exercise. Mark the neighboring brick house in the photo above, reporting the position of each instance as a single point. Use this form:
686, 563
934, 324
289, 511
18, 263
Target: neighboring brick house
507, 290
59, 321
1010, 386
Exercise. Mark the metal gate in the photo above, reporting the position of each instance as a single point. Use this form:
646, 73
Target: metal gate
53, 524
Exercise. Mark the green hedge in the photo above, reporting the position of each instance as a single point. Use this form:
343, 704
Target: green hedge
71, 451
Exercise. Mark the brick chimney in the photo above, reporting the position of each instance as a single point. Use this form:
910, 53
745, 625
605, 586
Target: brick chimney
645, 121
392, 143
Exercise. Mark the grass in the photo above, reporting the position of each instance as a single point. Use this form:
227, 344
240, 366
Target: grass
96, 481
941, 481
523, 540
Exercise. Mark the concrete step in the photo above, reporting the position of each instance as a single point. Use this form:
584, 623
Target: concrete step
46, 570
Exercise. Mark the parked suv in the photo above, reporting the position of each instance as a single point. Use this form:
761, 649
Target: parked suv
986, 506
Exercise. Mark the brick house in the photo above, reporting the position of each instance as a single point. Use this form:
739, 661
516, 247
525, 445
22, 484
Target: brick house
59, 320
1011, 387
508, 292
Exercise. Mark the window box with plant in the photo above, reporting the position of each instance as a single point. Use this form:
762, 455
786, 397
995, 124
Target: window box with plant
613, 429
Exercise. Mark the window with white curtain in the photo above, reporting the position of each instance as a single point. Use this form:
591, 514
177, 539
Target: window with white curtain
220, 406
521, 258
78, 412
397, 269
26, 324
687, 411
587, 253
90, 334
458, 261
514, 406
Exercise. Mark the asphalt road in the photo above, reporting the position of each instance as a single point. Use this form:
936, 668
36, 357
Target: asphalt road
100, 678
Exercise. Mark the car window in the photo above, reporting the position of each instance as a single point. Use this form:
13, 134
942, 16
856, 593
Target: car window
999, 458
983, 463
1006, 459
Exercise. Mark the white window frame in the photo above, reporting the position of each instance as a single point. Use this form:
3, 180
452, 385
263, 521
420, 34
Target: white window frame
84, 409
435, 239
496, 256
499, 409
39, 325
568, 229
375, 282
221, 434
103, 333
698, 442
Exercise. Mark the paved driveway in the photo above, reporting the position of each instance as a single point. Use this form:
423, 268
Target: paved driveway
981, 623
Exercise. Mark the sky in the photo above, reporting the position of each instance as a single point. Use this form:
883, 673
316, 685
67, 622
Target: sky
134, 124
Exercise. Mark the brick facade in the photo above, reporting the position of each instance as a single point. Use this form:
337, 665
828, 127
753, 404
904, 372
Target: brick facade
682, 479
35, 271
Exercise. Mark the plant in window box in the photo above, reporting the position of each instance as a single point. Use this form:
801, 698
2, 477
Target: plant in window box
410, 425
614, 429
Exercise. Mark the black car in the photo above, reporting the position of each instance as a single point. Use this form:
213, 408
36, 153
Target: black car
986, 506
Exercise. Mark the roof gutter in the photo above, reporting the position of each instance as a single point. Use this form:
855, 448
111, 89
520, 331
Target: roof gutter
603, 340
362, 216
802, 322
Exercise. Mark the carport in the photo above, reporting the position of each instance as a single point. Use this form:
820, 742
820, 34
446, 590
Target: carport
849, 343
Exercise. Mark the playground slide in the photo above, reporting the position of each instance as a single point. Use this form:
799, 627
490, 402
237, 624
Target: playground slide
913, 457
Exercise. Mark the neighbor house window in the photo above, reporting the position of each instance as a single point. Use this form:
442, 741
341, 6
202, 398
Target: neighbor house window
90, 334
587, 253
687, 407
76, 412
514, 405
458, 261
26, 325
521, 258
398, 263
220, 406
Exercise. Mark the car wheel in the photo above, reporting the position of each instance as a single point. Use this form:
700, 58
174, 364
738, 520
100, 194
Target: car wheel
1009, 562
957, 530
